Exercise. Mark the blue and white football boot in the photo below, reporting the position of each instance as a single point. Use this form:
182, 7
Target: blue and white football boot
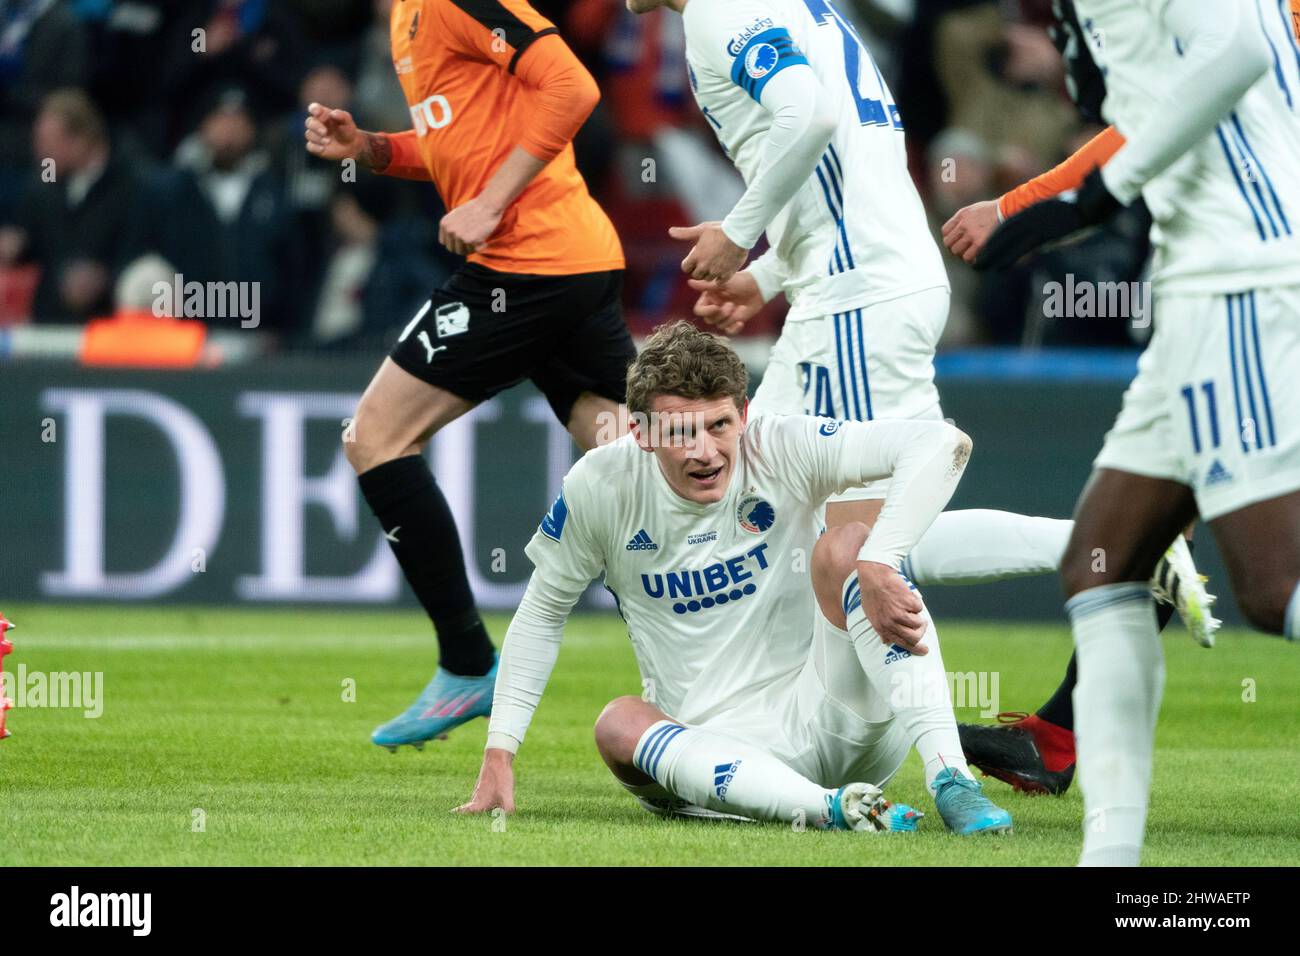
448, 701
963, 806
860, 806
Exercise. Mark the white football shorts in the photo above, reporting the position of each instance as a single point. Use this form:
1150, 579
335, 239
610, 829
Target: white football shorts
875, 362
1215, 404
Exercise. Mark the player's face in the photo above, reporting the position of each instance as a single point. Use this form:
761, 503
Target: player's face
695, 442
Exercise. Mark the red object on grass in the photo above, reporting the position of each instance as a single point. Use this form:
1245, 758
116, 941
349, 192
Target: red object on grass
6, 646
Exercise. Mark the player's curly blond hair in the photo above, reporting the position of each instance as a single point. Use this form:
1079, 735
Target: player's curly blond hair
679, 359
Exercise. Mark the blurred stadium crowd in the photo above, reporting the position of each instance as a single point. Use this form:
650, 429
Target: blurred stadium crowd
174, 128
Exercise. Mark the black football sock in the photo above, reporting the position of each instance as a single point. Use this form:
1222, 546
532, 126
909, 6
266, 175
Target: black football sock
422, 533
1059, 709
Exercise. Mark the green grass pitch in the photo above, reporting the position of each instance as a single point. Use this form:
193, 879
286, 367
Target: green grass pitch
241, 715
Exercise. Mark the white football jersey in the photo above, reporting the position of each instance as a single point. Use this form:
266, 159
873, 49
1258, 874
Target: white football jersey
855, 233
1227, 213
717, 598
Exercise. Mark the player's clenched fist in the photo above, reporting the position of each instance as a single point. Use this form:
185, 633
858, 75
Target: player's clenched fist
496, 784
728, 305
333, 134
468, 226
969, 228
892, 607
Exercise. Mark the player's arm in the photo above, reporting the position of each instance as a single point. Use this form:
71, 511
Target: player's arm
802, 125
566, 558
528, 654
923, 460
333, 134
1224, 54
965, 233
561, 95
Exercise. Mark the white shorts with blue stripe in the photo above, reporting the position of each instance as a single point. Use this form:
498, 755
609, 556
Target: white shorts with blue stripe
859, 365
1215, 404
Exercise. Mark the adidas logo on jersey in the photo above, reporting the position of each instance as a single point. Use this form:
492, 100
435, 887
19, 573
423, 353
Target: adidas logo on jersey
1217, 474
641, 542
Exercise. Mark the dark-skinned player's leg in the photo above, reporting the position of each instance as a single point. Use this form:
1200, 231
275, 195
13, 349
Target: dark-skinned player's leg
1123, 524
1260, 545
1034, 753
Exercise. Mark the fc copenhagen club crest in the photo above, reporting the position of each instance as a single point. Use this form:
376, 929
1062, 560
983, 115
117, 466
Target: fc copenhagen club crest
755, 514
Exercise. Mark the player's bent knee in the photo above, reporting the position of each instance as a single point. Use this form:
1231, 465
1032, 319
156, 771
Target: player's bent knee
837, 550
834, 558
620, 725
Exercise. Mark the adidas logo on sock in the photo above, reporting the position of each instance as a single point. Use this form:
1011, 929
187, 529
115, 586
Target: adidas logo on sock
641, 542
896, 653
722, 775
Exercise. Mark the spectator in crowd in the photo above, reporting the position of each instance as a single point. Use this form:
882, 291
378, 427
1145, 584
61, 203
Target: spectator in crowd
79, 214
250, 43
961, 169
143, 332
967, 64
43, 48
219, 213
379, 102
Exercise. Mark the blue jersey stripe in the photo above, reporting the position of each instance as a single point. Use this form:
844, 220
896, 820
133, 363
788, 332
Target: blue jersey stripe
853, 367
1232, 167
1268, 180
836, 263
1253, 176
1259, 368
1277, 61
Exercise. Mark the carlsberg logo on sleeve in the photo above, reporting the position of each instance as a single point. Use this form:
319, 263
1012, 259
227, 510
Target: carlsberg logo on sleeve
75, 908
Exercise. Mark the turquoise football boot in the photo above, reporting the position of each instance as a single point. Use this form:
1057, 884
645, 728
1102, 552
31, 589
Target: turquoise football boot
964, 808
448, 701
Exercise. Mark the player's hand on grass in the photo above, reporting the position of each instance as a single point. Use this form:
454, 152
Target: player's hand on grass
469, 226
965, 233
496, 784
333, 134
714, 257
893, 608
728, 305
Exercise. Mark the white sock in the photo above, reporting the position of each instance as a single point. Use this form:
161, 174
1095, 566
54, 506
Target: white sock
916, 687
977, 546
714, 771
1292, 626
1116, 701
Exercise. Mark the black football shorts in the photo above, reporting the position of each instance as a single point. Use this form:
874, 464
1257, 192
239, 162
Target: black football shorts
485, 331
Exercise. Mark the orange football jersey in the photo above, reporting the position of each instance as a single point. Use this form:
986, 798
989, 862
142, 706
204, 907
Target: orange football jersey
466, 67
